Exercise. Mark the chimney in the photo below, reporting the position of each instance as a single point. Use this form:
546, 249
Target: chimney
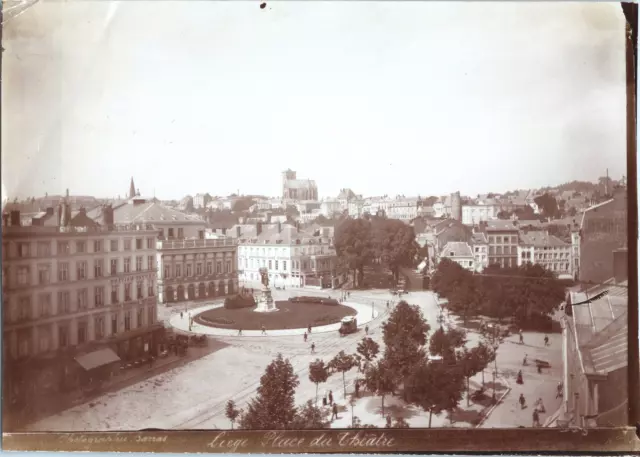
620, 265
258, 228
238, 231
15, 218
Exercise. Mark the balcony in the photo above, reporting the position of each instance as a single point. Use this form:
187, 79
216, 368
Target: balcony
191, 244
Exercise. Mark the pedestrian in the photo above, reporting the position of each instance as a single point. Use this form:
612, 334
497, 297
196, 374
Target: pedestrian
357, 389
519, 378
387, 304
239, 332
524, 361
331, 397
546, 340
366, 330
313, 348
264, 330
540, 406
536, 418
309, 328
181, 314
388, 420
521, 337
305, 337
559, 390
522, 401
334, 414
324, 399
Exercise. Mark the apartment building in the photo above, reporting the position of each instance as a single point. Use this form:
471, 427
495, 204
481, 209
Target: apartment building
459, 252
480, 246
503, 240
538, 247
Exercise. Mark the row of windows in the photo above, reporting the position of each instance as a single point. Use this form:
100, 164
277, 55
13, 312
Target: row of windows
24, 278
503, 250
546, 255
23, 308
44, 339
494, 239
188, 270
276, 265
272, 252
24, 249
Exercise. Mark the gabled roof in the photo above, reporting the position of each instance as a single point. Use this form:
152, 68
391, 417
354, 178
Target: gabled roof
499, 224
151, 213
541, 239
457, 249
346, 194
479, 238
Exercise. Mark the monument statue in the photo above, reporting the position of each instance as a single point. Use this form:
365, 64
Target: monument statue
264, 276
265, 302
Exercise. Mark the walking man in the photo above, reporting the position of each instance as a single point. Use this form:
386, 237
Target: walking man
334, 414
522, 401
309, 328
313, 348
357, 389
536, 418
239, 332
546, 340
366, 330
521, 337
305, 337
331, 397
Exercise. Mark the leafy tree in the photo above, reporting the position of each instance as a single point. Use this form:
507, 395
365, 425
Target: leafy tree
232, 412
395, 244
309, 417
485, 355
368, 349
274, 406
353, 242
548, 205
470, 363
444, 343
400, 422
318, 373
380, 380
436, 387
404, 334
342, 363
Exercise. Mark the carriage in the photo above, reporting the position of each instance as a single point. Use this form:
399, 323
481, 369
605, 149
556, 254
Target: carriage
348, 325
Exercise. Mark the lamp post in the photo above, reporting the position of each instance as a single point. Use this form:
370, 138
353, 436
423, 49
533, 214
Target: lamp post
372, 313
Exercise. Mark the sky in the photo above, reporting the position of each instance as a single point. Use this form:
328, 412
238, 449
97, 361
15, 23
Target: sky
415, 98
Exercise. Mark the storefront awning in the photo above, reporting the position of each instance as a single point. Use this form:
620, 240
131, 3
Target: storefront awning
97, 359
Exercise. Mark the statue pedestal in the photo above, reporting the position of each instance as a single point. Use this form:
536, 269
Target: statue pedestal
265, 303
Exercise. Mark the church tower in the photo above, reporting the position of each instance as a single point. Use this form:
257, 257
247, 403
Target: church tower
132, 189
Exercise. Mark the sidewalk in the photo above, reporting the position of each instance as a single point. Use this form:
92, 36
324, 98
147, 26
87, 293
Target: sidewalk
129, 377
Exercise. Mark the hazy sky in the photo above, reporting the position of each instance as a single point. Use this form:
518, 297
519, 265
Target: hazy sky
385, 98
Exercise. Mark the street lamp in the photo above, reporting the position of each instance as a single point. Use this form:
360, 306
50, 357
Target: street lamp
372, 313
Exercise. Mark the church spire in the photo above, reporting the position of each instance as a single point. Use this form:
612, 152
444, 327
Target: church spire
132, 189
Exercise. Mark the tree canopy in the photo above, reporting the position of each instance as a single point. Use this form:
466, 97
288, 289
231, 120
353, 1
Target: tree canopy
548, 205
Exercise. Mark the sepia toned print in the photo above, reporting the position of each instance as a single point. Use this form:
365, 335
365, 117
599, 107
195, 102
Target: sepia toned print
302, 227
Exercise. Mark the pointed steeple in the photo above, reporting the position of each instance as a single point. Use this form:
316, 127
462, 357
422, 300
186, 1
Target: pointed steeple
132, 189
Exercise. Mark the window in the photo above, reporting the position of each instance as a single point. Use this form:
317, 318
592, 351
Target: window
23, 276
139, 317
98, 326
139, 290
150, 316
219, 267
23, 250
198, 269
114, 324
188, 270
127, 321
24, 308
149, 243
284, 265
82, 332
64, 302
97, 268
127, 245
44, 249
63, 248
270, 265
210, 268
127, 265
276, 265
83, 301
178, 271
113, 246
127, 292
114, 293
97, 246
44, 305
138, 243
161, 234
98, 296
167, 271
150, 263
180, 233
80, 247
114, 267
170, 233
139, 263
81, 269
44, 276
150, 289
63, 336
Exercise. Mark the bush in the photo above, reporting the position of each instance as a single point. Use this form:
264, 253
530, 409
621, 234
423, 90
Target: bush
239, 301
315, 300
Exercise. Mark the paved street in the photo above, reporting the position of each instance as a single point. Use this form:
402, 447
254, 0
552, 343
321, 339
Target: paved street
194, 395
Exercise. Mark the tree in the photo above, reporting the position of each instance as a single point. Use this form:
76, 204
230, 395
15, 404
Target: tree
342, 363
318, 373
444, 343
232, 412
368, 349
470, 363
309, 417
436, 387
353, 242
548, 205
274, 406
380, 380
395, 244
404, 334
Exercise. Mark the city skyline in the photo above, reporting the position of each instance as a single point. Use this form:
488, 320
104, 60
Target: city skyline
398, 93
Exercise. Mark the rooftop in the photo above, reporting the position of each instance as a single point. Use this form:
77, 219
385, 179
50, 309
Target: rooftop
146, 212
479, 238
457, 249
541, 238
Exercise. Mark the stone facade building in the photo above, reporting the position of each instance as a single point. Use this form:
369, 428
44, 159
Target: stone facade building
298, 189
